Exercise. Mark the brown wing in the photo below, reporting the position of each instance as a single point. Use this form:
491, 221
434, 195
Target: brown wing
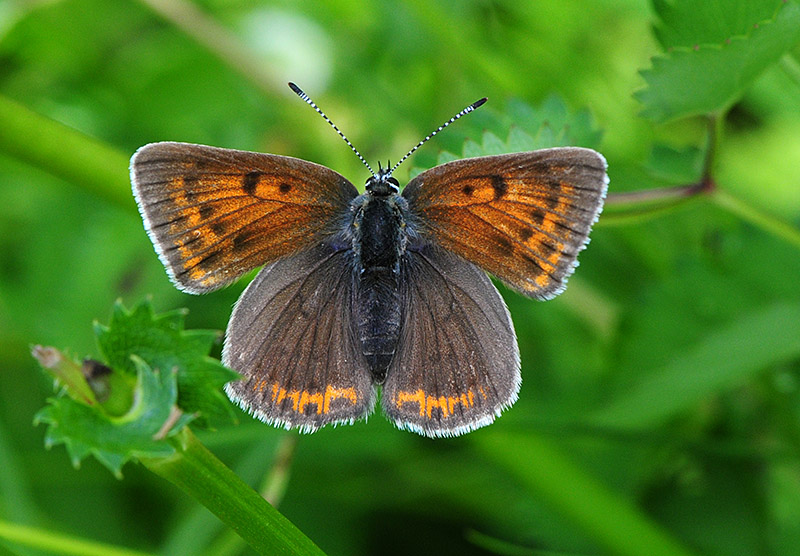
291, 337
523, 217
457, 363
213, 214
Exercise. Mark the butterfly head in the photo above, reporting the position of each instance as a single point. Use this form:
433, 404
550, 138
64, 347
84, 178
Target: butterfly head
382, 184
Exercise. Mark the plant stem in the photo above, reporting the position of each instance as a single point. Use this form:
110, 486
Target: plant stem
272, 489
758, 218
633, 206
56, 543
65, 153
274, 486
612, 521
205, 478
716, 123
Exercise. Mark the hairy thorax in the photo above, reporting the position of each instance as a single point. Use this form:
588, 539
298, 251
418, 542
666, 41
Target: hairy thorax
379, 242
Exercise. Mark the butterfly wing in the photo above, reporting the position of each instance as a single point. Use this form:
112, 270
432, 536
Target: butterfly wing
523, 217
214, 214
291, 337
457, 363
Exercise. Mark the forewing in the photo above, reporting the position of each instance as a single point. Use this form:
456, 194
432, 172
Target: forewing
457, 364
291, 338
213, 214
523, 217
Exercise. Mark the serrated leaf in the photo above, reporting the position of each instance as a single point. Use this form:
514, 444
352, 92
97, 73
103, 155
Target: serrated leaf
161, 341
492, 144
689, 23
520, 141
445, 157
86, 430
707, 78
525, 128
472, 149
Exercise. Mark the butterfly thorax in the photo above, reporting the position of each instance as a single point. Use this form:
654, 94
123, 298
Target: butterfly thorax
379, 240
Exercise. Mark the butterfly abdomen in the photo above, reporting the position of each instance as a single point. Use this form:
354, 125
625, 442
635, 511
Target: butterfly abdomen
379, 241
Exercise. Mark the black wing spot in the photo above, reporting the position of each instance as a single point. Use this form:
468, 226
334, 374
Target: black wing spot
500, 186
241, 239
219, 229
190, 181
537, 217
505, 246
206, 211
250, 182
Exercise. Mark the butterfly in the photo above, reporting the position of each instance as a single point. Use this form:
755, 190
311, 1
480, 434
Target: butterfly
376, 291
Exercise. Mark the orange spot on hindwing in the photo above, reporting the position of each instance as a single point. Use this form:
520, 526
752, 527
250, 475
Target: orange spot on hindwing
428, 403
306, 401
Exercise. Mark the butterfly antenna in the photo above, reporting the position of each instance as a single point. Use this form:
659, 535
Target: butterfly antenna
464, 112
299, 92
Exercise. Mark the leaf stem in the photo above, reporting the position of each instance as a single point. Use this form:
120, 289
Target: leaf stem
57, 543
757, 217
272, 489
632, 206
657, 194
715, 123
669, 197
205, 478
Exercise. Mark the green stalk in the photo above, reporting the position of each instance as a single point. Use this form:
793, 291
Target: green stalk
611, 520
272, 489
42, 539
633, 207
65, 153
767, 222
195, 470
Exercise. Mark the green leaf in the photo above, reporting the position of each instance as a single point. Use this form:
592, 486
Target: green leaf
690, 23
678, 166
86, 430
702, 78
162, 342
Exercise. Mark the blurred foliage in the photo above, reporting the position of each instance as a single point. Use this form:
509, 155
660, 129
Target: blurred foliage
669, 370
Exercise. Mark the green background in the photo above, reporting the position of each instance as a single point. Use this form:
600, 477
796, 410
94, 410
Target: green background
668, 371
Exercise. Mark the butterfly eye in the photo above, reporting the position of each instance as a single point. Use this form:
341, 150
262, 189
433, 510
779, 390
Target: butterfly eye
382, 184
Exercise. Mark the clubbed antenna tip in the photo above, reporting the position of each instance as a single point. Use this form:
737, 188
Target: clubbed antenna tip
297, 89
465, 111
299, 92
